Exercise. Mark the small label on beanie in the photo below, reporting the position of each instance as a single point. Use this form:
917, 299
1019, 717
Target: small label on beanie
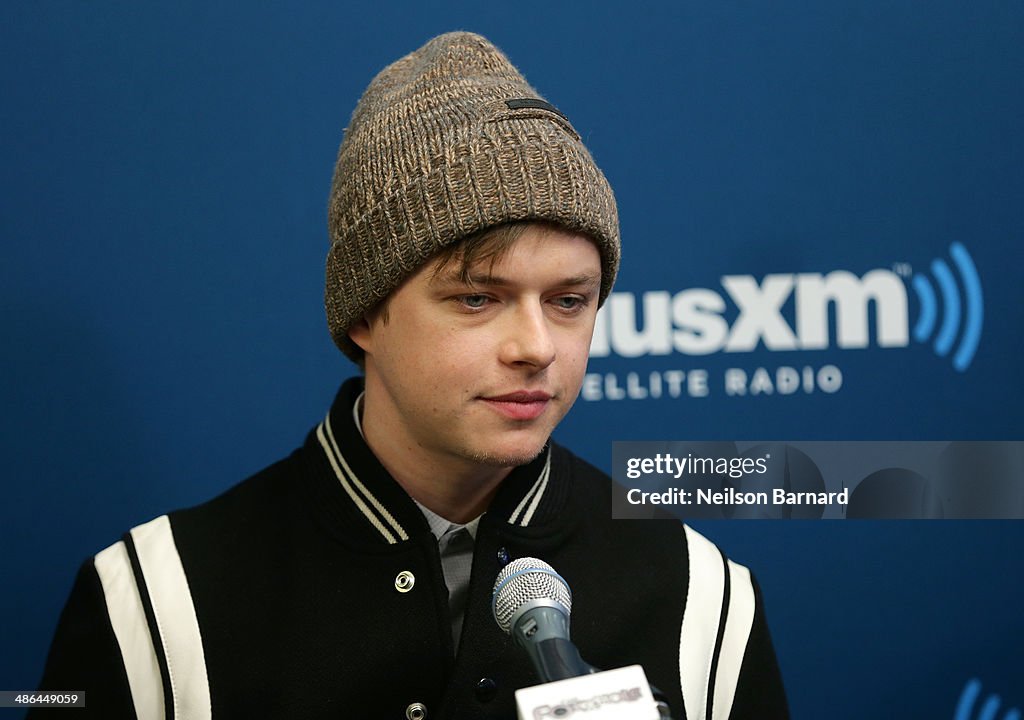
534, 103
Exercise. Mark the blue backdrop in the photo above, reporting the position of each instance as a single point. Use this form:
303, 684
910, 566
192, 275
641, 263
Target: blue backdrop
163, 194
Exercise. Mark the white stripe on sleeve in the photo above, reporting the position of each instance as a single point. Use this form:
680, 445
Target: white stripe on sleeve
128, 619
704, 595
175, 617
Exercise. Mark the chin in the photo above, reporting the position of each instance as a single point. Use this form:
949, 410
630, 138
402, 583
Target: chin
507, 457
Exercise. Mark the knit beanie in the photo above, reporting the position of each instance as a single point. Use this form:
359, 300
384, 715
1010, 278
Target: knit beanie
445, 142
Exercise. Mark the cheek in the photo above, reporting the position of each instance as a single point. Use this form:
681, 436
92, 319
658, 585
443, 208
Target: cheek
575, 347
440, 356
573, 356
461, 343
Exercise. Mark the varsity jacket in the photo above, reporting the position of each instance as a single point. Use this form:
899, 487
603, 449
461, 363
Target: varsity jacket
314, 589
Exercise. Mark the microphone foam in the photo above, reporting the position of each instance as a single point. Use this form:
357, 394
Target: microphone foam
527, 580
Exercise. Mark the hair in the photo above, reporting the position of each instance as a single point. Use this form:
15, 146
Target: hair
489, 246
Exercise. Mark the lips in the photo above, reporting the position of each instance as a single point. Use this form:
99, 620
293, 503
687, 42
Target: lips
519, 405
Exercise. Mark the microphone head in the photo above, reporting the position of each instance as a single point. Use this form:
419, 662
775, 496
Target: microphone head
524, 584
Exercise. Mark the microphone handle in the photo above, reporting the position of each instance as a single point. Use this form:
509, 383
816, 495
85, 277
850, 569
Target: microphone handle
557, 659
543, 631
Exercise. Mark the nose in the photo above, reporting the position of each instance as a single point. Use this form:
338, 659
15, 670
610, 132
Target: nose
528, 339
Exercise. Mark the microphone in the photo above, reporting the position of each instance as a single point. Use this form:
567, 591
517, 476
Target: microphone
531, 602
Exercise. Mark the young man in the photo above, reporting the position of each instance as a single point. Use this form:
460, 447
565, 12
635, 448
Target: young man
473, 240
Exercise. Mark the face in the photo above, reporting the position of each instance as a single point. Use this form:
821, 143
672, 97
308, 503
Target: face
483, 371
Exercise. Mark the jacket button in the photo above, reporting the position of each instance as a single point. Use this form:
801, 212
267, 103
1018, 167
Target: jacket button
403, 584
486, 689
502, 556
416, 711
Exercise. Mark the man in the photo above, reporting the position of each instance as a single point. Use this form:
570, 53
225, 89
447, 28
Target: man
473, 240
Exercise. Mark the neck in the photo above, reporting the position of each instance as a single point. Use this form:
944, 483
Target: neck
456, 488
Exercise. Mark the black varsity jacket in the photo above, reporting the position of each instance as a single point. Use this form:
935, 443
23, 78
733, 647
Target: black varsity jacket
314, 589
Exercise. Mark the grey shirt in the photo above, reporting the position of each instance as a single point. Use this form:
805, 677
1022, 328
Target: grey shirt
455, 542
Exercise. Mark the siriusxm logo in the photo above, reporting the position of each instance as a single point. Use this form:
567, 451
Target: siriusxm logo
693, 321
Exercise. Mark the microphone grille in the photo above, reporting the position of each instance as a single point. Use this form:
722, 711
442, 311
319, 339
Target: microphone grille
525, 580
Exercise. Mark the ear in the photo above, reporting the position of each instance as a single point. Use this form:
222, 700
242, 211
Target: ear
361, 335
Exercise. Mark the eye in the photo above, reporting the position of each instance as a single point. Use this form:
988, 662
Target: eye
569, 303
473, 302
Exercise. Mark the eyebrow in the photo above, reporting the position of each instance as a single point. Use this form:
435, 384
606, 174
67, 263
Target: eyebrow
498, 281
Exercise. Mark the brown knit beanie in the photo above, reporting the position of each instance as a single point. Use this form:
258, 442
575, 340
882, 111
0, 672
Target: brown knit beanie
445, 142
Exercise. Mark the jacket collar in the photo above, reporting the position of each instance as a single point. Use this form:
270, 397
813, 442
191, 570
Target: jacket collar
357, 492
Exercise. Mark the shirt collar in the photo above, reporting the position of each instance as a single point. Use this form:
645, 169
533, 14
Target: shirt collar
441, 526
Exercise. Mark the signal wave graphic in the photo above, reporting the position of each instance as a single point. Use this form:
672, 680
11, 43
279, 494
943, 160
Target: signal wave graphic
988, 711
972, 308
